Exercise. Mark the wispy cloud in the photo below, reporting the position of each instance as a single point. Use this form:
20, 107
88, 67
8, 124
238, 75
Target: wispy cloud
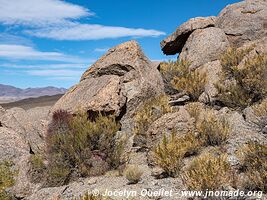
58, 20
21, 52
6, 38
40, 12
49, 66
76, 31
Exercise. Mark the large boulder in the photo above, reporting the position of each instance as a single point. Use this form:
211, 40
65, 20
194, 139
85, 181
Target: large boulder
174, 43
204, 45
116, 84
244, 21
95, 94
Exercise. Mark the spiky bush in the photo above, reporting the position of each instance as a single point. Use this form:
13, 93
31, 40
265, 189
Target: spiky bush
253, 158
77, 146
170, 152
213, 130
133, 174
207, 172
6, 179
150, 111
247, 84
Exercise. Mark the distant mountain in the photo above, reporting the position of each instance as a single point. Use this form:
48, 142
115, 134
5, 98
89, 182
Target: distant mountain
10, 93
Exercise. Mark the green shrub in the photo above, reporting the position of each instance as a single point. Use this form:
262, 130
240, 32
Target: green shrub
248, 84
149, 112
6, 179
133, 174
77, 146
253, 157
207, 172
212, 129
170, 152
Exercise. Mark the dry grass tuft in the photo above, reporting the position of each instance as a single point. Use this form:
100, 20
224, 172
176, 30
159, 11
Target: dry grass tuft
133, 174
183, 79
207, 172
253, 157
248, 84
212, 129
170, 152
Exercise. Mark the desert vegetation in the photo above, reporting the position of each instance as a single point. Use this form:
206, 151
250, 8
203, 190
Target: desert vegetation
207, 172
150, 111
184, 79
170, 152
213, 130
133, 174
7, 180
260, 110
78, 147
253, 163
242, 85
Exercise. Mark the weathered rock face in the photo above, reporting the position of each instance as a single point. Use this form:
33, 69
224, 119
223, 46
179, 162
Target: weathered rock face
178, 121
116, 84
244, 21
12, 146
29, 124
213, 71
174, 43
204, 45
101, 93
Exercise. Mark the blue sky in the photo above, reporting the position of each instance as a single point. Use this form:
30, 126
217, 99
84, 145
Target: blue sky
52, 42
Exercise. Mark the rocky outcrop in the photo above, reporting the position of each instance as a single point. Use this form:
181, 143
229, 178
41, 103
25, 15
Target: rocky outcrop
174, 43
202, 40
116, 84
244, 21
204, 45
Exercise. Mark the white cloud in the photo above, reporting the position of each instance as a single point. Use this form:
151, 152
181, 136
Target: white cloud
57, 19
39, 12
21, 52
49, 66
76, 31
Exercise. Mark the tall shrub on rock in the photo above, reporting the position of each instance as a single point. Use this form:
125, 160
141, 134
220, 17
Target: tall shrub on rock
78, 147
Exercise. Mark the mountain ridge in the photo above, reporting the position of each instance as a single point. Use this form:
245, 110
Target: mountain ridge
10, 93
